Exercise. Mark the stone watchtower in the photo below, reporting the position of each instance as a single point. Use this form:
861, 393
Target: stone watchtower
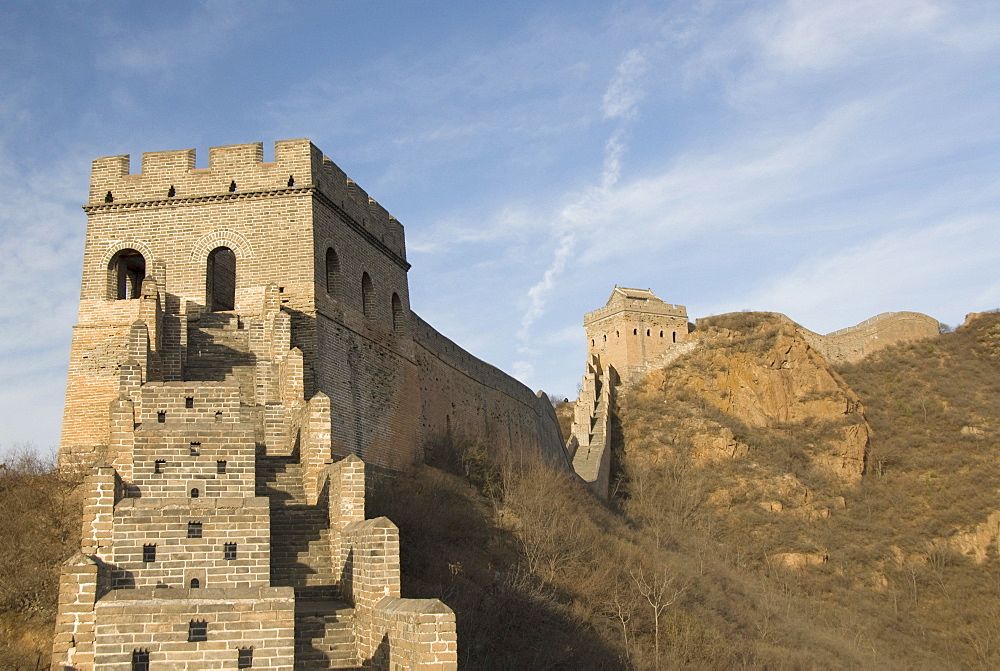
632, 334
194, 272
634, 330
244, 336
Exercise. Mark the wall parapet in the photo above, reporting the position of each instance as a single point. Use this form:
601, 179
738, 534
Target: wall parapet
851, 344
446, 351
236, 172
635, 306
871, 321
414, 634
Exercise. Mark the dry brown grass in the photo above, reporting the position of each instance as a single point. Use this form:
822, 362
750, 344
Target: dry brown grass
39, 529
543, 575
894, 592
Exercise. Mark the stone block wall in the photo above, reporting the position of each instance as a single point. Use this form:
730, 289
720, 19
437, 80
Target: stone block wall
414, 634
373, 389
589, 432
391, 633
164, 524
856, 342
345, 480
464, 397
159, 622
79, 589
172, 463
103, 488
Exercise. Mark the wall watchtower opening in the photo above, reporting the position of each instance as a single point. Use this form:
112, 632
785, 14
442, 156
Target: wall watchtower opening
126, 272
220, 279
332, 273
367, 296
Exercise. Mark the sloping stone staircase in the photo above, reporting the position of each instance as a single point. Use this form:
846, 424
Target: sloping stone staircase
219, 350
300, 558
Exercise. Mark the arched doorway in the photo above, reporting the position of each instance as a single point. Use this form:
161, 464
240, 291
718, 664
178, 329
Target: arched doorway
126, 272
332, 274
397, 313
367, 296
220, 279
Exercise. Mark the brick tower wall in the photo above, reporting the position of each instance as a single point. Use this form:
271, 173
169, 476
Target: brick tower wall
351, 318
175, 215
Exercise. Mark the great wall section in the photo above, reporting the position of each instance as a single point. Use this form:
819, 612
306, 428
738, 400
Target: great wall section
636, 332
244, 348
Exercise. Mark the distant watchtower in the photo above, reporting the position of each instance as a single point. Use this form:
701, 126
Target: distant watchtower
633, 330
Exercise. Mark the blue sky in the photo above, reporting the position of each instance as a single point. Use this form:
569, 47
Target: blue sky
828, 160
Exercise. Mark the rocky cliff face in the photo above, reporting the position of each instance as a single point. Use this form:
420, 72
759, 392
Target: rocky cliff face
759, 372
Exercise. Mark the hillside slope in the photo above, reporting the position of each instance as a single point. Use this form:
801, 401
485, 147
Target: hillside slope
768, 512
901, 561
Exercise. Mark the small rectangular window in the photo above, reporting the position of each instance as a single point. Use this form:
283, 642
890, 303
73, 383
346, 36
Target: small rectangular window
149, 553
245, 659
195, 449
197, 631
220, 466
140, 660
189, 402
158, 465
194, 529
230, 550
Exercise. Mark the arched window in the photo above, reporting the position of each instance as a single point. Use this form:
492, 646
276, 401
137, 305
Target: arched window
367, 296
675, 336
605, 337
647, 333
635, 331
397, 313
195, 583
126, 272
220, 279
332, 274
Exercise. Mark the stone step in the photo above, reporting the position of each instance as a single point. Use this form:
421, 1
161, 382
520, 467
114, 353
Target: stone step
324, 633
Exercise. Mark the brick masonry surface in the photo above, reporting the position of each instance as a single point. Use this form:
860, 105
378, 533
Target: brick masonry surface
244, 345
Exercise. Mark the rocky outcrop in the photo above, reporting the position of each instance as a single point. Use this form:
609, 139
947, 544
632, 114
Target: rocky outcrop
765, 374
976, 542
797, 561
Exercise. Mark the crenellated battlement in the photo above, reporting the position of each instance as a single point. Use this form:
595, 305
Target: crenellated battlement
167, 175
170, 178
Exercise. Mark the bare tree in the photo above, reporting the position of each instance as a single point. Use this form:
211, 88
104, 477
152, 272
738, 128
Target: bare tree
659, 591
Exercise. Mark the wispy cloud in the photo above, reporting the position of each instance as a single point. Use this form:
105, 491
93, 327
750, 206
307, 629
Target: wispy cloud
619, 102
624, 93
40, 242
